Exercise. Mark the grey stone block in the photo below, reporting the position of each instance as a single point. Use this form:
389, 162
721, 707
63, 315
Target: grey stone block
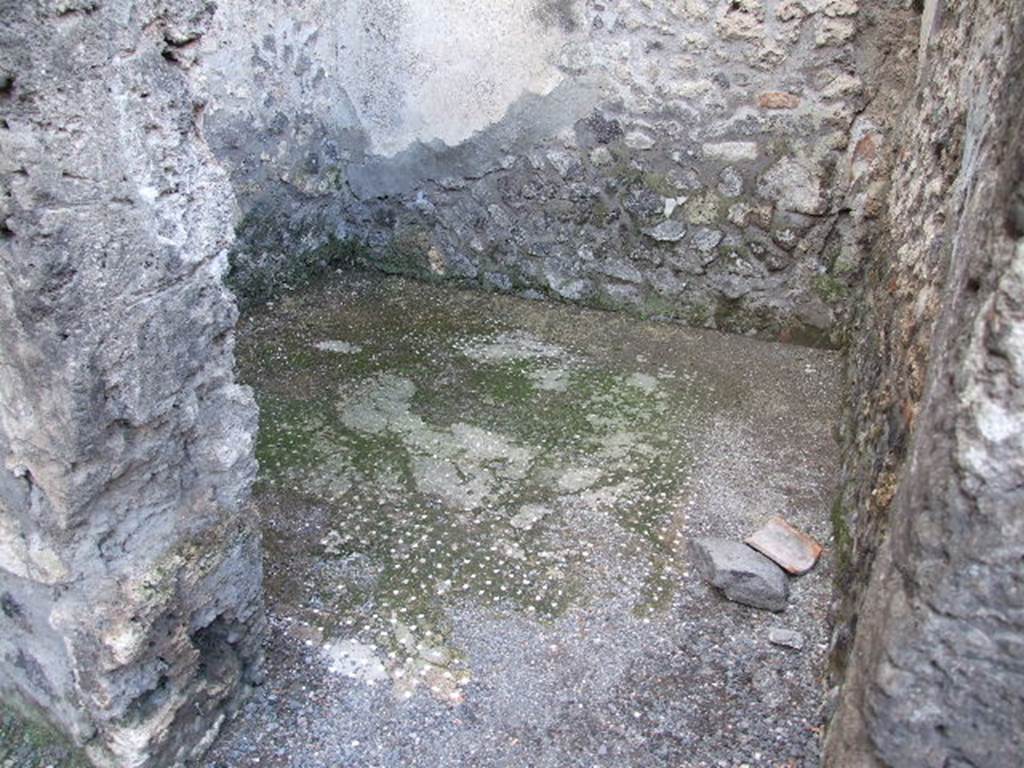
743, 575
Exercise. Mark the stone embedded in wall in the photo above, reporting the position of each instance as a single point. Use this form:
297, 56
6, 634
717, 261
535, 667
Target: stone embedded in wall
639, 140
795, 185
835, 8
667, 231
730, 183
791, 10
704, 208
731, 151
743, 19
843, 86
129, 571
834, 32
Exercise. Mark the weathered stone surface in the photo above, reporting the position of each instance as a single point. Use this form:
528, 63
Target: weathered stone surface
743, 575
129, 574
932, 607
793, 550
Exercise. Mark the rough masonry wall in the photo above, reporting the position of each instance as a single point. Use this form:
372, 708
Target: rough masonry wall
684, 158
928, 643
129, 574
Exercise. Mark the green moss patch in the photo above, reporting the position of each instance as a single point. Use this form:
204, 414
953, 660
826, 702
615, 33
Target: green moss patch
422, 449
28, 742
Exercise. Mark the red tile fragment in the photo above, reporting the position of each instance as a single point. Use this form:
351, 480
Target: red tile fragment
795, 551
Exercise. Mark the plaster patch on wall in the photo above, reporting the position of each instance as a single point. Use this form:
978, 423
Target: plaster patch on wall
419, 72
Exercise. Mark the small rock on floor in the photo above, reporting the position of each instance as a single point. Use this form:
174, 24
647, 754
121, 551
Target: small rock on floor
741, 573
787, 638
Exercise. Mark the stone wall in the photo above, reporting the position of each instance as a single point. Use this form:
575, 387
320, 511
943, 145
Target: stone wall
683, 159
931, 609
129, 573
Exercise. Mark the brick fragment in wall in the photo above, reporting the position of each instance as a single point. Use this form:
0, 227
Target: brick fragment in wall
778, 100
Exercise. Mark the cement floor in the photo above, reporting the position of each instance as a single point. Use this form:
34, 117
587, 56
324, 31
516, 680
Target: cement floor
476, 513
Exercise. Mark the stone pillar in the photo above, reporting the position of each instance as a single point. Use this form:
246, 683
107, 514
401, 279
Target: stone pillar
130, 582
